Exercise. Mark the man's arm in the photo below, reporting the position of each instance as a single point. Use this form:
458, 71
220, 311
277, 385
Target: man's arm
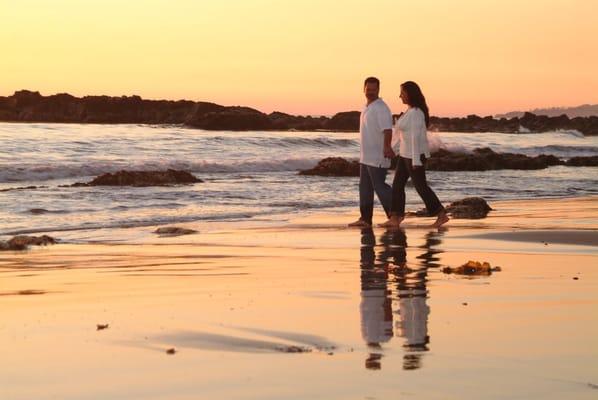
388, 151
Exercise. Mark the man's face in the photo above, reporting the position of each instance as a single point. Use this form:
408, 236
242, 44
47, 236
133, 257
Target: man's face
371, 91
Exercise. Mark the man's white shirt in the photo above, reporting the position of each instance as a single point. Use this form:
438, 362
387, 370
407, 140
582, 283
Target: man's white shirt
375, 119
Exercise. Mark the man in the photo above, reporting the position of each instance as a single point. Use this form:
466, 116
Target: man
376, 132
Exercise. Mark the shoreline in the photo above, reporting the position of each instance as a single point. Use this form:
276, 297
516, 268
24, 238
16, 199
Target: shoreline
525, 221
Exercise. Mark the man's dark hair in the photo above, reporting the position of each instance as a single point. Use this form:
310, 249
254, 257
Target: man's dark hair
371, 79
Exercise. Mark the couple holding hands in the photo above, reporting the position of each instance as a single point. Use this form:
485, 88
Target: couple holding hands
381, 142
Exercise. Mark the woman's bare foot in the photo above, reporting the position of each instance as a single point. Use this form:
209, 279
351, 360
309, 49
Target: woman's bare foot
393, 222
440, 220
360, 224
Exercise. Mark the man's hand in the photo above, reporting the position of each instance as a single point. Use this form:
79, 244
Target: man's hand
389, 152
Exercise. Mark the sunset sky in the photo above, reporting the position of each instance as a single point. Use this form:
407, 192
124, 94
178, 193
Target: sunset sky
307, 56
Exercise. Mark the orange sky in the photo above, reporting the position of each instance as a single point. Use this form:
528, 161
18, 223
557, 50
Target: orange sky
307, 56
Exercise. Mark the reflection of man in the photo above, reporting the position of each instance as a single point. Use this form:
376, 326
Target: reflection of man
375, 132
376, 311
375, 308
413, 309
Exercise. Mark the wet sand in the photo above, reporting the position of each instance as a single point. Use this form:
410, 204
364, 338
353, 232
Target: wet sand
305, 308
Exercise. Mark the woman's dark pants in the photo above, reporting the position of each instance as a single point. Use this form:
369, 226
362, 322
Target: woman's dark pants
403, 171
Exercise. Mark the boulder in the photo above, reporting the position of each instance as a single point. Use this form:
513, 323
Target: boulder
469, 208
333, 166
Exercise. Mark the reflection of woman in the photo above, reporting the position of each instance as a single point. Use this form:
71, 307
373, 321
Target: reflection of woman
411, 135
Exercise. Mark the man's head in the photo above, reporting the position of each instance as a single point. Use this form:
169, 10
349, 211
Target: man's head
371, 88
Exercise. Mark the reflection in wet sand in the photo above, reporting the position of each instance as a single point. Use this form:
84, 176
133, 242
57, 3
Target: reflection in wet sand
387, 279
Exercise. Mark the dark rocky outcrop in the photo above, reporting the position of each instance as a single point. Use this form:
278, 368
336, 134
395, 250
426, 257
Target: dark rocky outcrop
486, 159
528, 122
28, 106
333, 166
142, 178
23, 242
469, 208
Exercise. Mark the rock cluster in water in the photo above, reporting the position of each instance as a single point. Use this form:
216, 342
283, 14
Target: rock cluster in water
333, 166
483, 159
143, 178
29, 106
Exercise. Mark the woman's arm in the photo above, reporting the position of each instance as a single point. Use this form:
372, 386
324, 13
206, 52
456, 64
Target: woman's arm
418, 130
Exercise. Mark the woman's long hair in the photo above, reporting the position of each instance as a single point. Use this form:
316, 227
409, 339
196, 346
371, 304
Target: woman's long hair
415, 98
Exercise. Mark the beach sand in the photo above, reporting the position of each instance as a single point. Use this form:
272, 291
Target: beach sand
298, 308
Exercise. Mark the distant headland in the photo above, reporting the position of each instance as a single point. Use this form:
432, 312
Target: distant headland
30, 106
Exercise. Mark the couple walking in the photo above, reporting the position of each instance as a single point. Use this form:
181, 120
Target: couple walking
379, 144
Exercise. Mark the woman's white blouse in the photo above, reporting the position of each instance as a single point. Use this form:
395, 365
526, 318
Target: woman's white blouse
410, 135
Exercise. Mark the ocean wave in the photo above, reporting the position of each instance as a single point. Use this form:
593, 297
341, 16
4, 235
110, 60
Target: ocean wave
139, 223
269, 141
559, 150
45, 172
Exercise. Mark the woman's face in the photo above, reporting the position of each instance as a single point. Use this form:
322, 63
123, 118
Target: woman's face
404, 97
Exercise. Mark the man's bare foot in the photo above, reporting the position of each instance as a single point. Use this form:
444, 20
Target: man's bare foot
360, 224
393, 222
440, 220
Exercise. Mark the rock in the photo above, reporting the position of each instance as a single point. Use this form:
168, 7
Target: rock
22, 242
174, 231
469, 208
472, 268
293, 349
333, 166
171, 351
591, 161
37, 211
100, 327
142, 178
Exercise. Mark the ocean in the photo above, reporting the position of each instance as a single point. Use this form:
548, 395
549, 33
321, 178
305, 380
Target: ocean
248, 175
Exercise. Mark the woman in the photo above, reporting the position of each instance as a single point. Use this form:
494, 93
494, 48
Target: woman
411, 129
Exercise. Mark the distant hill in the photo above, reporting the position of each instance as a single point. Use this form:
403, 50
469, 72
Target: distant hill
585, 110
